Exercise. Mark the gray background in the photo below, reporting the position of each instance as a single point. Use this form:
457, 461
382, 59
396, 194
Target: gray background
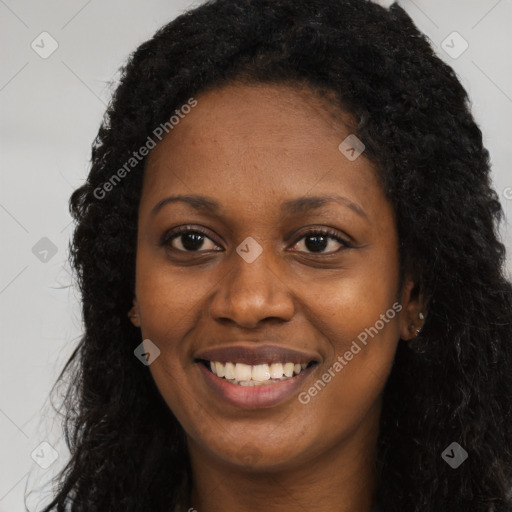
51, 110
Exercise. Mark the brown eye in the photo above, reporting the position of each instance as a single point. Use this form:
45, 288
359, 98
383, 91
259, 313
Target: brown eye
189, 240
320, 240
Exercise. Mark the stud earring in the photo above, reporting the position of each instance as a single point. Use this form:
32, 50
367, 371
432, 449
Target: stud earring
422, 317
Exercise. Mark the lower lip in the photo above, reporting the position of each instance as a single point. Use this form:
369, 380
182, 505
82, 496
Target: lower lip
253, 397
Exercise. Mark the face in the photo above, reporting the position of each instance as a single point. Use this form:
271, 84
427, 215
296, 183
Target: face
278, 269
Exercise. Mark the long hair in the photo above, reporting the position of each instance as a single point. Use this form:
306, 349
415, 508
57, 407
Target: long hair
454, 384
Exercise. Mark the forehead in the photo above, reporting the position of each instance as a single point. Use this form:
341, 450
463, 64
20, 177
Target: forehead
259, 115
256, 142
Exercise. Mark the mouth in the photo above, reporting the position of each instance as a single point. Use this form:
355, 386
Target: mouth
254, 377
242, 374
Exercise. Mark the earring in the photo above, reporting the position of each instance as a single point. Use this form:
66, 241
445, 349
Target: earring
422, 317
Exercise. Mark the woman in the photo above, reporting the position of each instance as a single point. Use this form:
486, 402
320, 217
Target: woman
293, 286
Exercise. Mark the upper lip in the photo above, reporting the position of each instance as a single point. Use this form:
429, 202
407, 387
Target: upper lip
253, 355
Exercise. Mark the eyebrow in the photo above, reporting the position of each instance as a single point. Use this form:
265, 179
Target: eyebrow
304, 204
290, 207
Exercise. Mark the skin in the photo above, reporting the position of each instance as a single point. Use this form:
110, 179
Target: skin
252, 147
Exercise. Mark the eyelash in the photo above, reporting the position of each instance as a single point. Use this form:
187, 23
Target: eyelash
169, 236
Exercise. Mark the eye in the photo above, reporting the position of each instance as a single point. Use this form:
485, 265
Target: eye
187, 239
318, 240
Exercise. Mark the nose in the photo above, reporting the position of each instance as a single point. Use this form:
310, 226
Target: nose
252, 292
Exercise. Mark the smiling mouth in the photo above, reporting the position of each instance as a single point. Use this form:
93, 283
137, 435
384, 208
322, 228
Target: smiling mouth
242, 374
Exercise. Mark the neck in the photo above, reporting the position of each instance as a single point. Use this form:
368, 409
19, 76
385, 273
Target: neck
342, 479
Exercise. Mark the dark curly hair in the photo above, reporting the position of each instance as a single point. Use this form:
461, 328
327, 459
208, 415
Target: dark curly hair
128, 451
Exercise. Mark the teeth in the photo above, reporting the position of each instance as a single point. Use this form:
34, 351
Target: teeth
288, 369
256, 375
276, 370
260, 372
230, 371
221, 372
242, 371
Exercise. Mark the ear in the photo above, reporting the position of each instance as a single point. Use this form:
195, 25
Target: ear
413, 314
133, 314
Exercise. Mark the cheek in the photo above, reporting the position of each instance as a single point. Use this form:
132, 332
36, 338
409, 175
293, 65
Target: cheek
171, 304
358, 316
345, 307
170, 299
